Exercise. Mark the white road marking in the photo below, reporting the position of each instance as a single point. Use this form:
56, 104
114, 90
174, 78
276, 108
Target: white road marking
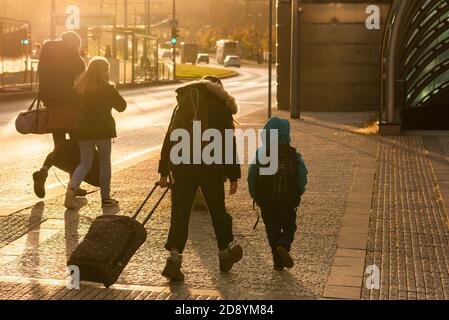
253, 83
233, 83
252, 102
136, 155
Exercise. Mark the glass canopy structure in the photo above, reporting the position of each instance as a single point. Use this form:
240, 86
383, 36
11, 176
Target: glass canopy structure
415, 66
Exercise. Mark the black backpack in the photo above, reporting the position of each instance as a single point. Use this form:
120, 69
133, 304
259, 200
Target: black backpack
280, 189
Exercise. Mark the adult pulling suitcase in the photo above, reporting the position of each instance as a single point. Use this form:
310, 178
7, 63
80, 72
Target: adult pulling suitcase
110, 244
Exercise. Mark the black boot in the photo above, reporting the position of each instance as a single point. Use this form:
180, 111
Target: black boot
285, 256
39, 178
277, 262
229, 257
172, 270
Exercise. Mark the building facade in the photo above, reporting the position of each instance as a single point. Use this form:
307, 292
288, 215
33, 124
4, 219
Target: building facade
340, 56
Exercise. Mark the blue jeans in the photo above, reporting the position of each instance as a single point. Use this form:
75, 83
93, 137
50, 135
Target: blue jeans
87, 150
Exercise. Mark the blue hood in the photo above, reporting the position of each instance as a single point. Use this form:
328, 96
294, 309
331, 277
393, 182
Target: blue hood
283, 127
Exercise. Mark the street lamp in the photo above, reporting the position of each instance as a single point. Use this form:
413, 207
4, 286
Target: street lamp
148, 16
270, 58
295, 63
125, 10
53, 20
174, 38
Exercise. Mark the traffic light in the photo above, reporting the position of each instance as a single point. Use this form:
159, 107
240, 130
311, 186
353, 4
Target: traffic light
174, 35
25, 37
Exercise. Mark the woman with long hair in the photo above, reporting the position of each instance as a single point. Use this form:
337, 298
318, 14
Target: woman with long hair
97, 128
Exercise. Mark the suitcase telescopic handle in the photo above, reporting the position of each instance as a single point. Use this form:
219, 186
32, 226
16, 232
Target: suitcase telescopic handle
148, 198
156, 206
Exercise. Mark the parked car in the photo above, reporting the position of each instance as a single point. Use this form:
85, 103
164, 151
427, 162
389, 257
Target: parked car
232, 61
203, 57
168, 54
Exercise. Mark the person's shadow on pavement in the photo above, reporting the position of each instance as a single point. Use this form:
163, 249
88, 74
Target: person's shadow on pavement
228, 283
29, 262
72, 223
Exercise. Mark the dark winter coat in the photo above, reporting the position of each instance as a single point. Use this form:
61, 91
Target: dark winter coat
221, 107
59, 67
96, 120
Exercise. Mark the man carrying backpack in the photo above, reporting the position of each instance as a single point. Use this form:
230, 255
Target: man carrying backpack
60, 64
279, 195
208, 102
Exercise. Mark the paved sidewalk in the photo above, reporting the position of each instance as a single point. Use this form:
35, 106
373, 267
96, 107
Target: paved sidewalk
409, 228
334, 236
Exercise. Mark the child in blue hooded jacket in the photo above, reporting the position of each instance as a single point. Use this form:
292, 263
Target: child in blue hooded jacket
279, 195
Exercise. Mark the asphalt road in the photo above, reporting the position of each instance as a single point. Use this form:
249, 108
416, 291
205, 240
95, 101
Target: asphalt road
141, 130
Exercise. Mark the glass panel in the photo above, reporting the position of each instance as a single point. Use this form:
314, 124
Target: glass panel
15, 54
145, 63
423, 94
442, 79
429, 17
442, 57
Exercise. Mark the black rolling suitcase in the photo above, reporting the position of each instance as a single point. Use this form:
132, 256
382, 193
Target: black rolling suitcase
110, 244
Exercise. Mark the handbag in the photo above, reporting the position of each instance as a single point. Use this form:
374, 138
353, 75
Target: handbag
34, 120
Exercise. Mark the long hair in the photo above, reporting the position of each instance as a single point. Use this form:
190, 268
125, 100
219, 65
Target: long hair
95, 77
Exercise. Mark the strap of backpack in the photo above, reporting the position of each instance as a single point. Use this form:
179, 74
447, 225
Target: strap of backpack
196, 107
258, 215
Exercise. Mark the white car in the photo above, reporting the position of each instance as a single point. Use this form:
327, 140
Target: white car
232, 61
203, 57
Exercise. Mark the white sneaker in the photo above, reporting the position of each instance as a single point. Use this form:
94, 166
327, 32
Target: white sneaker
107, 203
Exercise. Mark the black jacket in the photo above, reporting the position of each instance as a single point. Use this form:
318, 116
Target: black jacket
221, 107
96, 121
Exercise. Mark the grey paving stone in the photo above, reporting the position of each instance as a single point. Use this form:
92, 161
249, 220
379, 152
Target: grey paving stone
407, 223
342, 292
319, 220
407, 228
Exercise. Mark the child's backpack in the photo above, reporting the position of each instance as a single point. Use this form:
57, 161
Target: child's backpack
280, 189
